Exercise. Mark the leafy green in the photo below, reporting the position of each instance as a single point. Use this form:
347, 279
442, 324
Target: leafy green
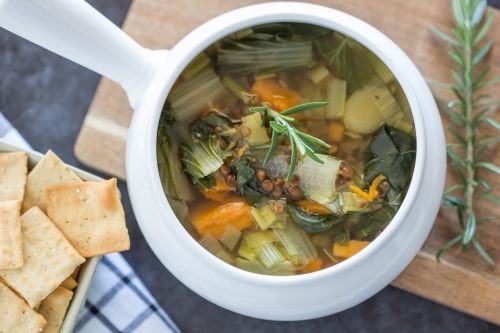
313, 223
377, 221
391, 153
349, 60
247, 183
202, 129
343, 237
201, 158
174, 181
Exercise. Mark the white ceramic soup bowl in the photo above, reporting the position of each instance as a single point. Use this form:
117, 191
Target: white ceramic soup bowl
76, 31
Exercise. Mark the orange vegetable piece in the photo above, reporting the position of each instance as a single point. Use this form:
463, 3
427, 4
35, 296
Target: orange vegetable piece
219, 192
350, 249
312, 207
313, 266
336, 131
279, 97
215, 195
215, 220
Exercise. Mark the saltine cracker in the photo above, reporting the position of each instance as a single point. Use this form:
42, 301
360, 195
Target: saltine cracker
50, 171
11, 251
90, 215
54, 308
48, 258
17, 316
13, 173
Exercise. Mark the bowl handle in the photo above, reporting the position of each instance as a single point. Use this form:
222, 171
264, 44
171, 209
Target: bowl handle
78, 32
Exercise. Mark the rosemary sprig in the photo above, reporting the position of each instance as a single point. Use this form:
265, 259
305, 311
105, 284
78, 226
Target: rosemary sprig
469, 111
281, 123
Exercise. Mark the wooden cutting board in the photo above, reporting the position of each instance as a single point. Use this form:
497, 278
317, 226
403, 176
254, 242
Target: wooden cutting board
463, 280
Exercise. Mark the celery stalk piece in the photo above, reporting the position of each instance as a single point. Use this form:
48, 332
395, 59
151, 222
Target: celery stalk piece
400, 97
246, 252
259, 238
263, 216
224, 256
253, 266
230, 236
196, 65
318, 113
238, 90
318, 180
383, 99
317, 74
269, 255
336, 91
175, 183
382, 71
297, 244
403, 126
258, 56
211, 244
258, 134
191, 97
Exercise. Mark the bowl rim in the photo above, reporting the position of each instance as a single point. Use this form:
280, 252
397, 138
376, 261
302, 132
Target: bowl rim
238, 19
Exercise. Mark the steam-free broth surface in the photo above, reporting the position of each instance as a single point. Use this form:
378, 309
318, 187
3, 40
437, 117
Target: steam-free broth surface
286, 148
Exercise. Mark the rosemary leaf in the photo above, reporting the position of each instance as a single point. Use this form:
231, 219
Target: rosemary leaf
468, 114
281, 123
483, 252
447, 246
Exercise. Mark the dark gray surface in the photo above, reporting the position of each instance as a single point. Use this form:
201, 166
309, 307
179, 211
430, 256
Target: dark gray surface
46, 98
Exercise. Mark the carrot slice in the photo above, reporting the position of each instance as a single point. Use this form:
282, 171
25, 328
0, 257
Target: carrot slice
313, 266
215, 220
272, 92
350, 249
312, 207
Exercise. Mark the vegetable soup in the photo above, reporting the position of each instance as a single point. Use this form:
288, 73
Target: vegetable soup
285, 148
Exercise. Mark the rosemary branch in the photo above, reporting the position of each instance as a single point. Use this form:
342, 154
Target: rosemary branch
468, 111
281, 123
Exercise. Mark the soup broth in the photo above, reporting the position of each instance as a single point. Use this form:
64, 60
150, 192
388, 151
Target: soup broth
264, 176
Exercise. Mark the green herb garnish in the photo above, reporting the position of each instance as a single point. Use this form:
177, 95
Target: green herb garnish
281, 123
468, 112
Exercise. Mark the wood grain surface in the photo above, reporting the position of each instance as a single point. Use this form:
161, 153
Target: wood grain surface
463, 281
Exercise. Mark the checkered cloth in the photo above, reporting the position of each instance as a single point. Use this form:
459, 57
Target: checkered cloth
117, 299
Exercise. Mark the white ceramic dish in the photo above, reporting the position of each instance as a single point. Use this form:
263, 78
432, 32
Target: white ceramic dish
74, 30
88, 268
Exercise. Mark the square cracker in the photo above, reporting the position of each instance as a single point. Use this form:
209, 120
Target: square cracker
69, 283
48, 258
90, 215
11, 252
13, 173
54, 308
50, 171
16, 315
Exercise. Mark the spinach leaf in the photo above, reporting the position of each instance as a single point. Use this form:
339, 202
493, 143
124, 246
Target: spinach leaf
206, 182
202, 129
348, 59
343, 237
247, 183
390, 153
378, 221
311, 222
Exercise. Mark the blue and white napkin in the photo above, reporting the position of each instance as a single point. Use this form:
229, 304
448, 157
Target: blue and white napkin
118, 301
